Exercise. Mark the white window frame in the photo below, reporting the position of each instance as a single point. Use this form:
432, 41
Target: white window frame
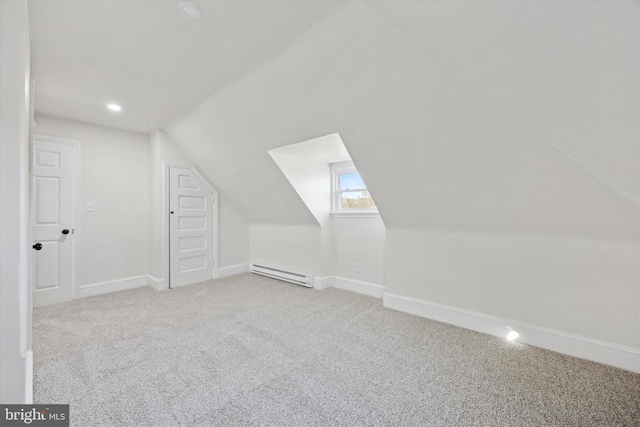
338, 169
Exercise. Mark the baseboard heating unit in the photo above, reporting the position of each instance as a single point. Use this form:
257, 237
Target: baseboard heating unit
301, 279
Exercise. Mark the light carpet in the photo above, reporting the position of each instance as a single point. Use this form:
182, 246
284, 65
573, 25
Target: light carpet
249, 350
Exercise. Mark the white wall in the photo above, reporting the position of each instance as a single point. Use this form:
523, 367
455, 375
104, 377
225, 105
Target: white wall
300, 248
156, 265
581, 286
296, 247
14, 195
112, 242
233, 235
358, 240
312, 181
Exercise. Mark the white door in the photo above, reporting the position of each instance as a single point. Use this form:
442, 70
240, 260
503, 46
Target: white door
190, 228
53, 165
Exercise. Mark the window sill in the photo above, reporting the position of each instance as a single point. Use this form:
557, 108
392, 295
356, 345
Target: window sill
355, 214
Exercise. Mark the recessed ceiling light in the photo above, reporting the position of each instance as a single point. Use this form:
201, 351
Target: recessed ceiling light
114, 107
189, 11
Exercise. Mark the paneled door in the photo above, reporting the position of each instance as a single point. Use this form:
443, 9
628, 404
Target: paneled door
190, 228
53, 166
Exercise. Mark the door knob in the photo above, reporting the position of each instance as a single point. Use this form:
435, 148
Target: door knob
37, 246
65, 231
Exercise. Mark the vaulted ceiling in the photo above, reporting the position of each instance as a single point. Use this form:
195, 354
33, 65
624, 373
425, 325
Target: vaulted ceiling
506, 116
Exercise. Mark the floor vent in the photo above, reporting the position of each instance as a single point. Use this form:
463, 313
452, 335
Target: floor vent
285, 275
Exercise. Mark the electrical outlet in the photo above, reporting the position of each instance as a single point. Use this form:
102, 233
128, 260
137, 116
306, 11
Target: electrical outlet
356, 267
91, 207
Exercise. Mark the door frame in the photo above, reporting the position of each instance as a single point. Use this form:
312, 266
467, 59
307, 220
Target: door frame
75, 196
165, 223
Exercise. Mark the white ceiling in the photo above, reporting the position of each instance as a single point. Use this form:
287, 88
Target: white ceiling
325, 149
504, 115
145, 56
496, 125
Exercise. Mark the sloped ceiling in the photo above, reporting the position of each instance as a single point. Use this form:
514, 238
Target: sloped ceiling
500, 115
145, 56
508, 116
567, 72
323, 84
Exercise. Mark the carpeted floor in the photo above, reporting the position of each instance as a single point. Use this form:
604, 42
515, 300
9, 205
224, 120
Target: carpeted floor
248, 350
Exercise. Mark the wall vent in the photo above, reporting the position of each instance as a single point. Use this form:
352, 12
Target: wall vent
301, 279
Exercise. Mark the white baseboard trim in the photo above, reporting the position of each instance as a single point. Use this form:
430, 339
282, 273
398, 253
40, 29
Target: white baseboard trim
321, 283
28, 383
232, 270
113, 286
574, 345
156, 284
358, 286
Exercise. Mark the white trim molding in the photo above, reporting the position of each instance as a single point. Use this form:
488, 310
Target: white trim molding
351, 285
100, 288
321, 283
355, 214
157, 284
358, 286
574, 345
232, 270
28, 383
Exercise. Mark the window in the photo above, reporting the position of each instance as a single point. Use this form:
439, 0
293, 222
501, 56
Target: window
350, 194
